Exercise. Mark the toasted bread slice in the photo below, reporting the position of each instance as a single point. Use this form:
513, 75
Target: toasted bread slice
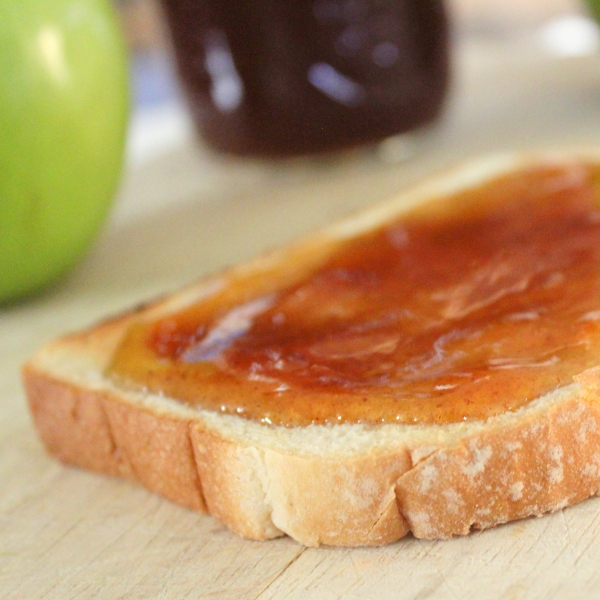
347, 484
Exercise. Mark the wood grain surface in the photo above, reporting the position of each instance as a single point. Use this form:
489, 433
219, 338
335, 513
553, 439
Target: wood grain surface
65, 533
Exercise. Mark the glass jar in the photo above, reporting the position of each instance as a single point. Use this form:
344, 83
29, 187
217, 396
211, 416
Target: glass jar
289, 77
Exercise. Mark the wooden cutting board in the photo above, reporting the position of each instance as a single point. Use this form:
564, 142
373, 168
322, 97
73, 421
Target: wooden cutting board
65, 533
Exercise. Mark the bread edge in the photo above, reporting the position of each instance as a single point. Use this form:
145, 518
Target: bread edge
506, 471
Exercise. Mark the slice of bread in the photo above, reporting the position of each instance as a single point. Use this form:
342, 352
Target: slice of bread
346, 484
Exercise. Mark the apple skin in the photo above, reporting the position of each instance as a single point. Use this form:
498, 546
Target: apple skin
593, 8
64, 99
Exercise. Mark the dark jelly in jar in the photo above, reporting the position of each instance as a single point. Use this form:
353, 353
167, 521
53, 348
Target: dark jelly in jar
287, 77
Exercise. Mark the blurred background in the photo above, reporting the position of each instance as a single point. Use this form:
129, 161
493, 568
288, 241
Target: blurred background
480, 28
525, 75
161, 122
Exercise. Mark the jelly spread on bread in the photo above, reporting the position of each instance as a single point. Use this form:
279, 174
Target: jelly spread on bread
465, 308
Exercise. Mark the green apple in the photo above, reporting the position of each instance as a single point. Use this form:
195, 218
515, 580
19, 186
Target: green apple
594, 8
63, 113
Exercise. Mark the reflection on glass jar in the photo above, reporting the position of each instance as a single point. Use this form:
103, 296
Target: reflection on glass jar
282, 77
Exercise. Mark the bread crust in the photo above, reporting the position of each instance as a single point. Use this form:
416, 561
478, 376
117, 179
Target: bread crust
436, 483
535, 464
97, 431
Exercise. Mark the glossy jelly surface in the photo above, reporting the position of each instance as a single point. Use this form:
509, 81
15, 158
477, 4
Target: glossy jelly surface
466, 308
